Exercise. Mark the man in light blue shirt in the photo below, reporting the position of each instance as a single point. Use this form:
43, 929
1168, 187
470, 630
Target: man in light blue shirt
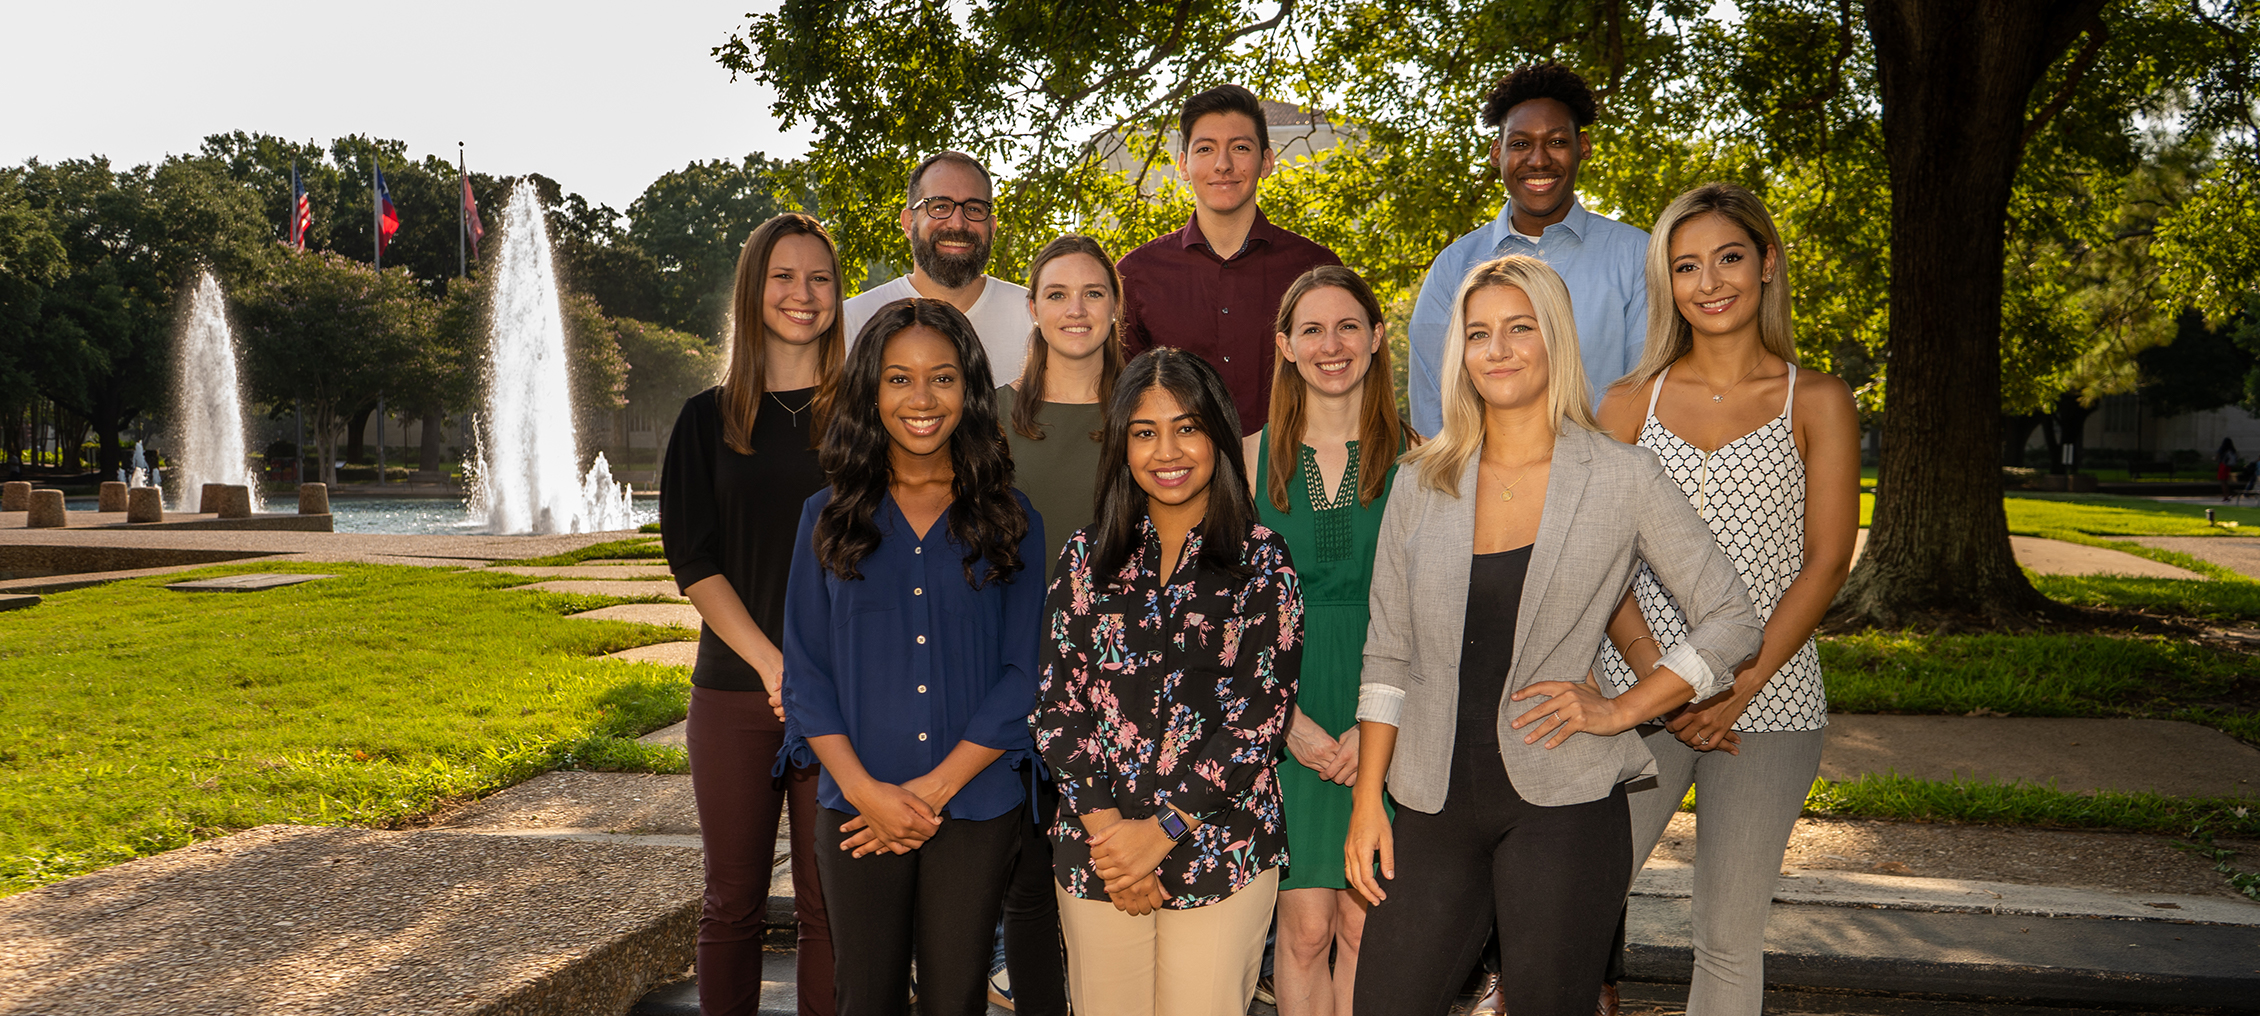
1541, 113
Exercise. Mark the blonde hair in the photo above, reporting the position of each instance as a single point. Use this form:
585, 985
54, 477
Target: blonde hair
1669, 334
1443, 457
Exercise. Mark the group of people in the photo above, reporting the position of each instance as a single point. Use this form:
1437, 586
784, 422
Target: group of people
1217, 648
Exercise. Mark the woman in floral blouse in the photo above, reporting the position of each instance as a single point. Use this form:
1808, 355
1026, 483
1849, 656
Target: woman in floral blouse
1173, 638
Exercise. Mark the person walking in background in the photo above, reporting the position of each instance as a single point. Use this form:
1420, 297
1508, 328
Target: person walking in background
912, 676
1055, 417
949, 218
1769, 456
1324, 464
1495, 575
1211, 288
2225, 463
1540, 113
741, 460
1173, 638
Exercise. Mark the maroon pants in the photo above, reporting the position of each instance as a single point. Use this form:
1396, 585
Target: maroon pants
733, 744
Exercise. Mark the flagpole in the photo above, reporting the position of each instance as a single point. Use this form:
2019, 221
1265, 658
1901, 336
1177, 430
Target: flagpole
462, 225
376, 215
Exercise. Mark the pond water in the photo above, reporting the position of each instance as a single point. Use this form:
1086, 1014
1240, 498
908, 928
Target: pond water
418, 516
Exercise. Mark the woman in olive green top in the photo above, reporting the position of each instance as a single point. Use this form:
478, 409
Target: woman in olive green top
1054, 415
1323, 464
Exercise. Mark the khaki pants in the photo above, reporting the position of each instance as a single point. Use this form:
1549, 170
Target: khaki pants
1199, 962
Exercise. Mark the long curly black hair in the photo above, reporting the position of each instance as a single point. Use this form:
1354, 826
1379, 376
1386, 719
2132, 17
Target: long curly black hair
985, 518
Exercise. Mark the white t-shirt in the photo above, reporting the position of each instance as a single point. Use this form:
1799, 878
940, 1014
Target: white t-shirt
999, 317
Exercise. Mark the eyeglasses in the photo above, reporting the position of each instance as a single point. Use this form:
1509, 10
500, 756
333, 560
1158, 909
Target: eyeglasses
976, 210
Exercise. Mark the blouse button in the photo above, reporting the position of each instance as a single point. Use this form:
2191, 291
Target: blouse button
921, 640
921, 737
922, 689
917, 550
918, 591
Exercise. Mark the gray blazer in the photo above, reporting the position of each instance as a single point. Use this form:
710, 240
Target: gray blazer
1609, 507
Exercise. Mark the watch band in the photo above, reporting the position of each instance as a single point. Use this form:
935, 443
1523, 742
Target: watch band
1172, 823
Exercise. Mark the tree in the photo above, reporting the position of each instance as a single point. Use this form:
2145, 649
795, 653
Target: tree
2202, 368
31, 259
132, 239
329, 332
665, 368
692, 223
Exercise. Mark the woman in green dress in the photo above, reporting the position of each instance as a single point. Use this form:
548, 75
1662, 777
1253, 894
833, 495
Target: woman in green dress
1323, 464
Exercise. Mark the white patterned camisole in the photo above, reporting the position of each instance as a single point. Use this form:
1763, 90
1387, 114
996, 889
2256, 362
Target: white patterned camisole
1752, 492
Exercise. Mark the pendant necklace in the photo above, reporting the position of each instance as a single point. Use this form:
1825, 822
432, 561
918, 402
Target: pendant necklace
795, 412
1508, 494
1721, 396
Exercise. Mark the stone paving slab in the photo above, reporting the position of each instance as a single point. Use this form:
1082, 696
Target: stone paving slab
640, 570
19, 601
298, 919
633, 803
2240, 554
249, 582
2077, 755
1676, 880
680, 615
672, 654
2055, 557
593, 587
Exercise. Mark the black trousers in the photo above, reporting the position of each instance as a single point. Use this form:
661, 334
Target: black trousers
1553, 879
1034, 953
938, 903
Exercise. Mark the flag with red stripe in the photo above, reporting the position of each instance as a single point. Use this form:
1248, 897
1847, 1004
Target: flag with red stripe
471, 223
388, 218
301, 210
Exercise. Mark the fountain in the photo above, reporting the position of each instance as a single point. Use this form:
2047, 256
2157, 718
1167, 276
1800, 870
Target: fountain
207, 426
527, 465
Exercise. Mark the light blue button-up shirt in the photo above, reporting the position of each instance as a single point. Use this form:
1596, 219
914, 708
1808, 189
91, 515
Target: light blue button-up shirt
1602, 261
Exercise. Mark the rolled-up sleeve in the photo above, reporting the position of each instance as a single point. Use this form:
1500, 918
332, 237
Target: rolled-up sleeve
1723, 628
1388, 634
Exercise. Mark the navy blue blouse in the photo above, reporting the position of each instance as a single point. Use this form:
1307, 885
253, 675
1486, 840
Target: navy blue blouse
911, 659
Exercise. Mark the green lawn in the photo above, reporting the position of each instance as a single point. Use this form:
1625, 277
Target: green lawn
2034, 513
134, 719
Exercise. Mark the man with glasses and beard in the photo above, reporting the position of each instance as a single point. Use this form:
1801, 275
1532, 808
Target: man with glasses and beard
949, 217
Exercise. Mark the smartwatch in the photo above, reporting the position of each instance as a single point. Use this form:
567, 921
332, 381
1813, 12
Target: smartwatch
1172, 823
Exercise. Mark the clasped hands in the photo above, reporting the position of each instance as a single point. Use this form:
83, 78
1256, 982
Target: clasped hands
895, 818
1126, 853
1334, 759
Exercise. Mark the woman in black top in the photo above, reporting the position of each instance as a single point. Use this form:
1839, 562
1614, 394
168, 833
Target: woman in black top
739, 464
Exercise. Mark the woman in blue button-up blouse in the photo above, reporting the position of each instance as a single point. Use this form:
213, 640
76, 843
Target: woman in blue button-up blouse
911, 674
1170, 657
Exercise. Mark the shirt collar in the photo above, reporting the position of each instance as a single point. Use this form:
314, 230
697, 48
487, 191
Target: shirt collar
1261, 229
1576, 221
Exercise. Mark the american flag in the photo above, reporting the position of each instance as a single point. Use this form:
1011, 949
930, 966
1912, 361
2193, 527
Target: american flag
301, 210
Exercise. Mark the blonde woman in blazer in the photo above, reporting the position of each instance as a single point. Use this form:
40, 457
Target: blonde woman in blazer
1500, 563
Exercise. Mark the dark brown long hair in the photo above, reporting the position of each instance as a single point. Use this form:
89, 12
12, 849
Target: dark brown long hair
1030, 400
1231, 514
744, 381
1380, 428
984, 516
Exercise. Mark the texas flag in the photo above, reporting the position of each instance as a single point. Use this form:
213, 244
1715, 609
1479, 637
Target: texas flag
301, 210
471, 225
388, 219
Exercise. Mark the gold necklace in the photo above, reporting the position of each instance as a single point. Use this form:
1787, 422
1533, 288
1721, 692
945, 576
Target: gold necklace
795, 412
1721, 396
1507, 494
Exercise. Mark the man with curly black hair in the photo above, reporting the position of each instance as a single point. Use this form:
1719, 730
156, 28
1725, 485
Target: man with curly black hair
1538, 115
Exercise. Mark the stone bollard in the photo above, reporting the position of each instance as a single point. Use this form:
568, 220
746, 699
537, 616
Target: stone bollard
235, 501
15, 496
313, 499
145, 504
46, 510
112, 498
208, 499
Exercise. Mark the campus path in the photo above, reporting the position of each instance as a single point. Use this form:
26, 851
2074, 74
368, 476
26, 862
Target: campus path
2240, 554
2056, 557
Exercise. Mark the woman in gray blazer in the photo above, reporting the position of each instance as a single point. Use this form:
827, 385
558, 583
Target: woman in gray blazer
1498, 568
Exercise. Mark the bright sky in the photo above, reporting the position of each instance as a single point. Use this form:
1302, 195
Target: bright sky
601, 97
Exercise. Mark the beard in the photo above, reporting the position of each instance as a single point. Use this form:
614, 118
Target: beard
952, 271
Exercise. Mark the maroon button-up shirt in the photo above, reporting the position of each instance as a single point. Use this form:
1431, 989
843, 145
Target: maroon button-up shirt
1176, 291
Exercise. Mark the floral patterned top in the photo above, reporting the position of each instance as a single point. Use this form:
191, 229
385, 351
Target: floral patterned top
1172, 691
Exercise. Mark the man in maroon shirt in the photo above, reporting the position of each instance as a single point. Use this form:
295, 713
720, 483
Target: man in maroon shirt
1213, 287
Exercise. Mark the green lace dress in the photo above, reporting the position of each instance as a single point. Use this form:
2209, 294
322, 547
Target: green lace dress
1330, 543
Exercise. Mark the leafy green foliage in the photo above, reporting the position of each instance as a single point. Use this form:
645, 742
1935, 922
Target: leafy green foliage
691, 223
1900, 798
134, 719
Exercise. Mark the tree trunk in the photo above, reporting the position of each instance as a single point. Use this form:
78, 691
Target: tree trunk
2071, 429
1955, 77
427, 458
2015, 431
356, 449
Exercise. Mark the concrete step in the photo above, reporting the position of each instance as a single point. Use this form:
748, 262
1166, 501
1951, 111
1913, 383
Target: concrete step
300, 919
679, 615
600, 587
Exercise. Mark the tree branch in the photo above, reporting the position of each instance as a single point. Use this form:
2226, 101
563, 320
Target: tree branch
2097, 34
1845, 41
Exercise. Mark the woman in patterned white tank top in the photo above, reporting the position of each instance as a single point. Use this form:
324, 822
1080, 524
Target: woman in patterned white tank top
1769, 455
